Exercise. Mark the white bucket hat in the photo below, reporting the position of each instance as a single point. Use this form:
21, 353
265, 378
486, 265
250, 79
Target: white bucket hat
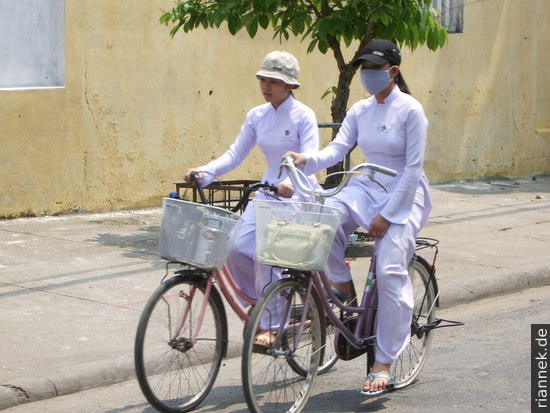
282, 66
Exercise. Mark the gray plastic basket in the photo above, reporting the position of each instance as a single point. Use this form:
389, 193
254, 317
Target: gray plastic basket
197, 234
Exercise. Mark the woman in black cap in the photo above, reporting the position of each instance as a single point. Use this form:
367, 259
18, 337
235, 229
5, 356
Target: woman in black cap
390, 128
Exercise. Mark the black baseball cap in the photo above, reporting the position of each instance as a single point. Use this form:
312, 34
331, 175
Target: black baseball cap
379, 52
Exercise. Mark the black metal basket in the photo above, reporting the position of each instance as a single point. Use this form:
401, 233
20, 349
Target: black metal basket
222, 194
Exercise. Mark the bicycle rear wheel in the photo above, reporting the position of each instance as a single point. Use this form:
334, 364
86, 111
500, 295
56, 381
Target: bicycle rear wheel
176, 371
271, 382
409, 363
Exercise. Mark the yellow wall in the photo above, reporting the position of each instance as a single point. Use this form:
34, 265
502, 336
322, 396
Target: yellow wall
485, 93
139, 107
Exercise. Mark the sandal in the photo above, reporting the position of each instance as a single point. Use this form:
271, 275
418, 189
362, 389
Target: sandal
263, 342
374, 376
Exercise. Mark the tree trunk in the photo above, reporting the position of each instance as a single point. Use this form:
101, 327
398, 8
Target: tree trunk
338, 112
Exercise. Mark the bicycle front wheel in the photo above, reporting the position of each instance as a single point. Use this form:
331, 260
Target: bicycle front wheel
329, 356
409, 363
271, 381
180, 341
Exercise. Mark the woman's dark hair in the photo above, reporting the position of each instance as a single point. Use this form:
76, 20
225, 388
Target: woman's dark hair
402, 84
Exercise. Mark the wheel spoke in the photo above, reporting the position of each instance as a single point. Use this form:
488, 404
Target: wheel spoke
174, 372
282, 381
409, 363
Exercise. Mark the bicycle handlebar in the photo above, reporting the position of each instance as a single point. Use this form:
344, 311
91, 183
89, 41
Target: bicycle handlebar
321, 194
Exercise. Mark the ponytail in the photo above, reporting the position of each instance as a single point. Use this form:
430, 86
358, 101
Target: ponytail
400, 81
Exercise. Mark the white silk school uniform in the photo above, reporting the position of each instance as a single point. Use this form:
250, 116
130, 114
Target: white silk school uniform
290, 127
392, 134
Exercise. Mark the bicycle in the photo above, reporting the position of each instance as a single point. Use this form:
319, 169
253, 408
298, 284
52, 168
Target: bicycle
182, 335
306, 304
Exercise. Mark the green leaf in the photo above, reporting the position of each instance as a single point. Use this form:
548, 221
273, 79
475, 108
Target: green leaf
433, 39
323, 29
175, 29
297, 25
330, 90
233, 24
422, 33
312, 45
252, 28
263, 19
165, 18
443, 37
414, 39
348, 38
384, 17
204, 21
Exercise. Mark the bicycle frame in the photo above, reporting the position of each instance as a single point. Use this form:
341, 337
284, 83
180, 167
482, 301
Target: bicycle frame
229, 290
361, 334
365, 312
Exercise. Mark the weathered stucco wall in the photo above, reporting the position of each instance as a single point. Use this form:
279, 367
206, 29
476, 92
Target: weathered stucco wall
138, 107
485, 95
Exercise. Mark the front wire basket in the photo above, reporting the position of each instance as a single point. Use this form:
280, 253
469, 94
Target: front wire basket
295, 235
197, 234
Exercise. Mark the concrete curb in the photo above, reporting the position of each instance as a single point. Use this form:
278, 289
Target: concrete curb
494, 286
84, 376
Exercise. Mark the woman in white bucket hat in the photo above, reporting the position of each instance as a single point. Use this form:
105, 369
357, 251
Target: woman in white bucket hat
280, 125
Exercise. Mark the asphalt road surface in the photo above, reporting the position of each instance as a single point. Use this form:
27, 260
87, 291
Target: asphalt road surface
483, 366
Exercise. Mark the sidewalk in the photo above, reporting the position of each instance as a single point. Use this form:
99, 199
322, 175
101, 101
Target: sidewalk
72, 287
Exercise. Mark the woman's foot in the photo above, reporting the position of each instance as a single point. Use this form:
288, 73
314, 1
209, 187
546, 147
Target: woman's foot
378, 380
263, 342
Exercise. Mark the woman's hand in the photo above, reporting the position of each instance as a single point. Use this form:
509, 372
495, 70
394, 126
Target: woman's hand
187, 177
285, 190
299, 158
379, 226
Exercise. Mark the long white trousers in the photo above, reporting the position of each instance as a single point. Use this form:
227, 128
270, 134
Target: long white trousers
395, 297
251, 278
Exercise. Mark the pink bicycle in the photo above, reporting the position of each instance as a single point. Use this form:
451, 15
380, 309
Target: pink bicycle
182, 335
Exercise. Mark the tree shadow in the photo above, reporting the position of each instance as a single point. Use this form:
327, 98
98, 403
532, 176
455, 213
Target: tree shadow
481, 186
142, 243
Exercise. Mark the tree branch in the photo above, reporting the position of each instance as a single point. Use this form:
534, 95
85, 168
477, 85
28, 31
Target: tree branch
314, 9
337, 51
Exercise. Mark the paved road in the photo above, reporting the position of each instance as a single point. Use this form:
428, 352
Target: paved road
483, 366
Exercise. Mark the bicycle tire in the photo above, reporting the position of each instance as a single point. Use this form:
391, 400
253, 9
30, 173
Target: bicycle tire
175, 375
413, 357
270, 383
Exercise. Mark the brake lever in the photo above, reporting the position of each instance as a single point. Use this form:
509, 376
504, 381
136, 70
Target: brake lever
370, 174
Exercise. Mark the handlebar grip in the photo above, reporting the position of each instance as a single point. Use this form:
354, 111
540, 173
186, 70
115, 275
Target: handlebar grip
384, 170
195, 178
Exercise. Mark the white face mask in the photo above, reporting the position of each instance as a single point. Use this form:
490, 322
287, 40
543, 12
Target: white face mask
375, 81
